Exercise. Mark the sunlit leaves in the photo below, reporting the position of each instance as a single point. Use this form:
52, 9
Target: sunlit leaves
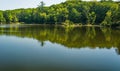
2, 19
76, 11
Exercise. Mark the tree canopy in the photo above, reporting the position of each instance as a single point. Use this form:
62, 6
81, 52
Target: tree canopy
104, 12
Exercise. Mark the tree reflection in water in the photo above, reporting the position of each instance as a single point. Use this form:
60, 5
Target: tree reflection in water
77, 37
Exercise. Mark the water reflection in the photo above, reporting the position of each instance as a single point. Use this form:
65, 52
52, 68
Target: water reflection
54, 48
72, 38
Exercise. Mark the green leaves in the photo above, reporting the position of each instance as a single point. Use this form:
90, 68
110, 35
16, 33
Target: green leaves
76, 11
108, 19
2, 19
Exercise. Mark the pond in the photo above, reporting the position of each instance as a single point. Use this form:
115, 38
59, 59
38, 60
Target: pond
58, 48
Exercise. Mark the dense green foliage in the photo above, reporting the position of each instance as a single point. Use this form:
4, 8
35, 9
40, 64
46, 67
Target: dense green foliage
71, 11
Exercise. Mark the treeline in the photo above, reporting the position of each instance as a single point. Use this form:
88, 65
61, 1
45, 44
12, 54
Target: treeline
69, 12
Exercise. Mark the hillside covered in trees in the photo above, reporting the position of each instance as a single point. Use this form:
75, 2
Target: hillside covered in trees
69, 12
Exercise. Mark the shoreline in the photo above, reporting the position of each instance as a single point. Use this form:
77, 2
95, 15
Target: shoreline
62, 25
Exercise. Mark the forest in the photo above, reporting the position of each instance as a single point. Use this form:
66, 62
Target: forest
104, 12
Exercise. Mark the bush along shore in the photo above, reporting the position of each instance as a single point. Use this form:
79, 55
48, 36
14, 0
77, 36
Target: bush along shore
71, 12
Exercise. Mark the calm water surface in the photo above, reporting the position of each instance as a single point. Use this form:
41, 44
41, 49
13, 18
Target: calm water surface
56, 48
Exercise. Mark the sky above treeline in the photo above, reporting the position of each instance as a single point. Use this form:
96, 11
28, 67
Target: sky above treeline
15, 4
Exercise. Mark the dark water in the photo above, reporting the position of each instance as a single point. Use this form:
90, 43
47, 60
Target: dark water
50, 48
